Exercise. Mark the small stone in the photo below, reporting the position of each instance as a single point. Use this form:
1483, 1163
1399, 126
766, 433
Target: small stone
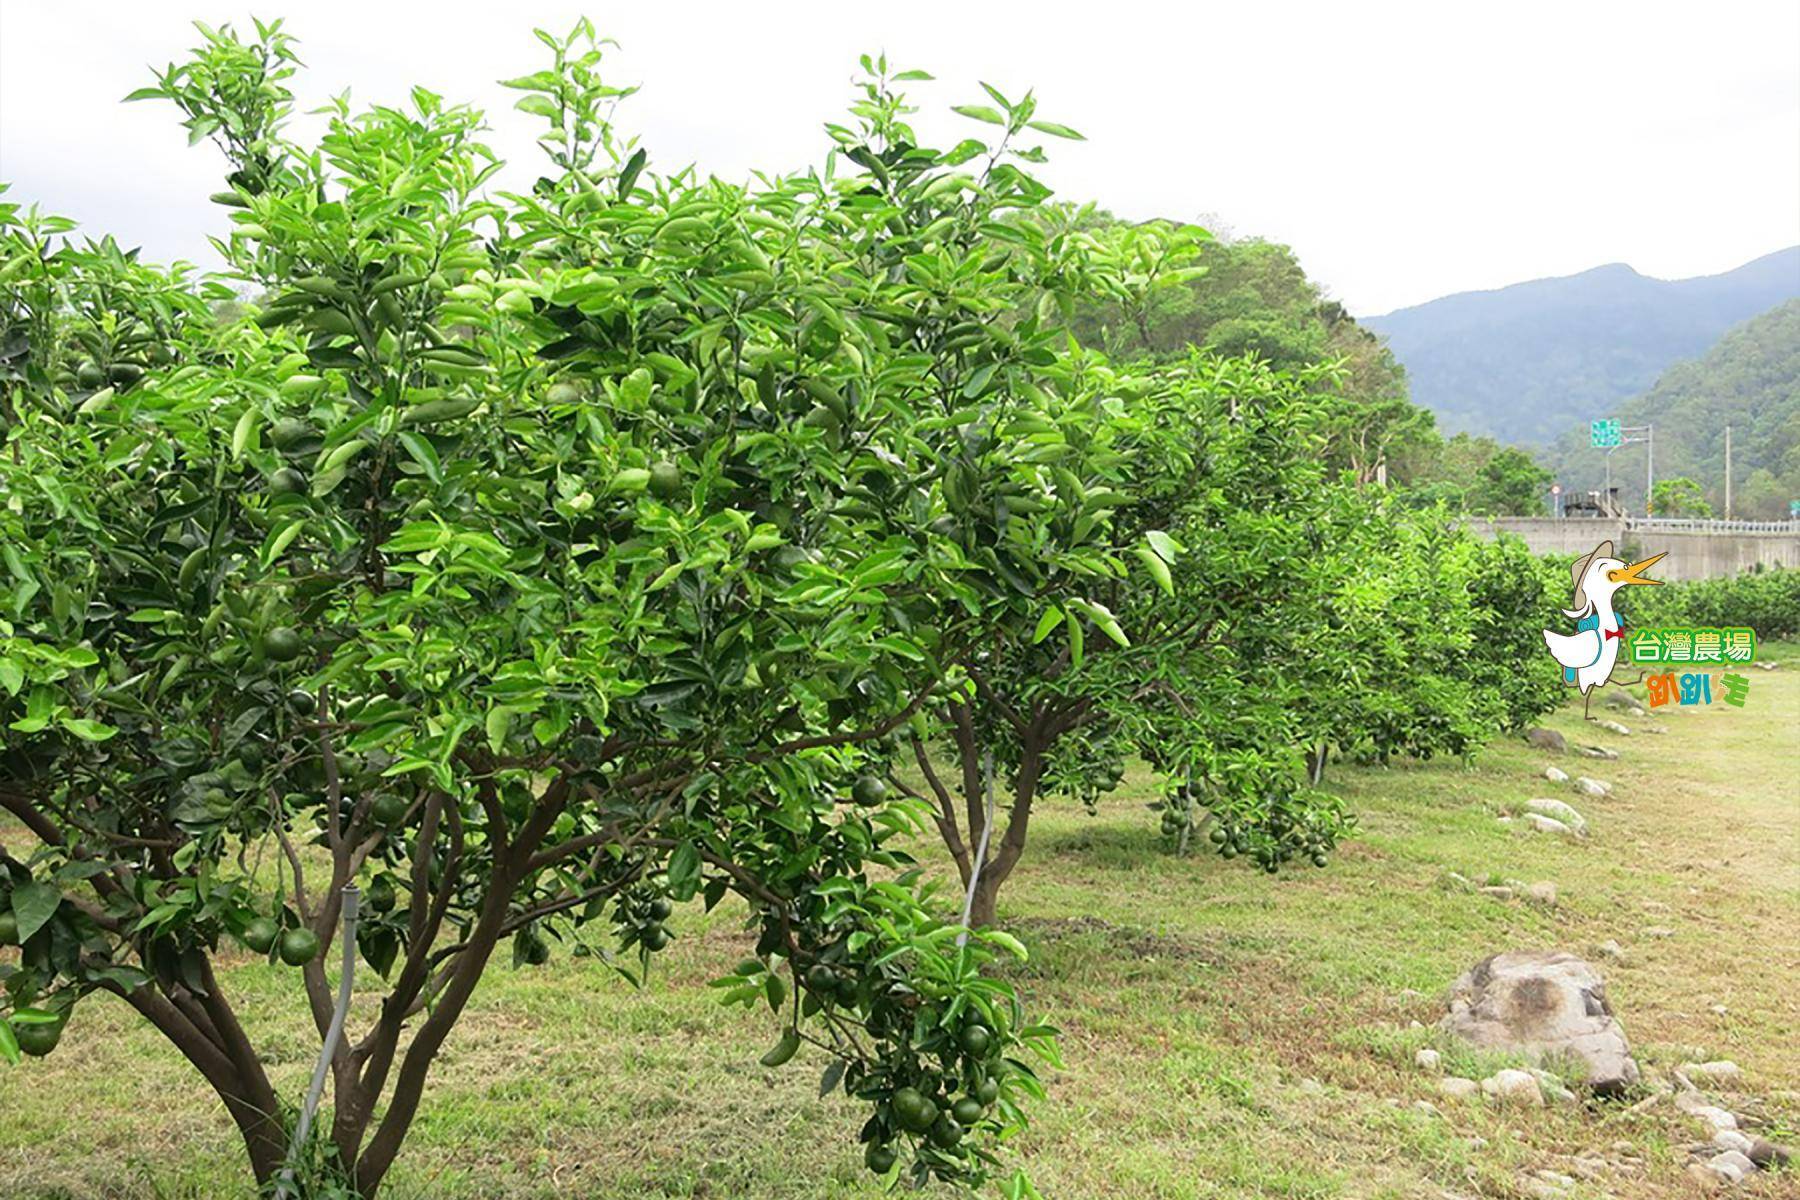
1719, 1010
1592, 787
1556, 775
1552, 1087
1766, 1154
1546, 1185
1457, 1088
1658, 931
1713, 1117
1598, 752
1545, 824
1498, 893
1732, 1139
1428, 1060
1610, 949
1731, 1166
1311, 1087
1655, 906
1722, 1071
1614, 727
1766, 666
1556, 810
1459, 882
1543, 893
1546, 739
1512, 1086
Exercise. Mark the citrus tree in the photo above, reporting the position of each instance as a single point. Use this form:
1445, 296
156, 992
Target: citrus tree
1193, 648
531, 562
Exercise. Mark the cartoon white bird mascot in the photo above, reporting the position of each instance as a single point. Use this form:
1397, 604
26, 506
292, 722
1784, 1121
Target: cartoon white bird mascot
1587, 655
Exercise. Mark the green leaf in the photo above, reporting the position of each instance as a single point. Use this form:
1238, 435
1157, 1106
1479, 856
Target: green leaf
33, 905
244, 431
980, 112
419, 449
1004, 939
498, 725
629, 173
88, 730
9, 1044
1053, 616
1055, 130
1159, 570
684, 872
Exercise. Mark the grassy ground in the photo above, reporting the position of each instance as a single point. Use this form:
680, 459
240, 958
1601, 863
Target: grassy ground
1227, 1034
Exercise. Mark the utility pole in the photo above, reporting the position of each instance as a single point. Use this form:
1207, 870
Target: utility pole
1728, 472
1649, 466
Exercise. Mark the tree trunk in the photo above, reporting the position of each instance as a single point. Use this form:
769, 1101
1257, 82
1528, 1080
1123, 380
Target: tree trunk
982, 913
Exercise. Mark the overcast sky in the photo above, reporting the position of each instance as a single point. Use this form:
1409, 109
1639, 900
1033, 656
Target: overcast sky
1405, 151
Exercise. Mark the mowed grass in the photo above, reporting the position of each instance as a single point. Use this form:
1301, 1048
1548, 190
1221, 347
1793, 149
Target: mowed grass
1226, 1033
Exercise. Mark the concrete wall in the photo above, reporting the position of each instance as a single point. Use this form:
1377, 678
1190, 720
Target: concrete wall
1691, 553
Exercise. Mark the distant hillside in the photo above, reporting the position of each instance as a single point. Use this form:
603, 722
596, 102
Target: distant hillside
1750, 380
1528, 362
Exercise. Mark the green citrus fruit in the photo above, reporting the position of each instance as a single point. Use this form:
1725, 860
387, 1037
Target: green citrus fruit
125, 374
869, 791
975, 1039
287, 482
38, 1039
879, 1158
661, 909
9, 929
282, 644
289, 432
821, 978
387, 808
966, 1111
665, 480
303, 702
90, 375
655, 937
299, 946
946, 1133
1319, 860
260, 934
915, 1113
987, 1091
564, 393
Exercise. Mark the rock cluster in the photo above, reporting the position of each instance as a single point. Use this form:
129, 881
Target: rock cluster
1729, 1155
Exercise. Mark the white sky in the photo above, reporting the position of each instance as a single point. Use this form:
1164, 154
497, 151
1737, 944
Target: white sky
1404, 150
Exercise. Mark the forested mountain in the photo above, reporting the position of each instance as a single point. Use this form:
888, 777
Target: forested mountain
1750, 380
1527, 363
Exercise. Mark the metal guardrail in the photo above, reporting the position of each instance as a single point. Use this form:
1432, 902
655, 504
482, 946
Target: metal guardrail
1706, 525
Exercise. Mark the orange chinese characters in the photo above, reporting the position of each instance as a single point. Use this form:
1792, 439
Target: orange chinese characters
1661, 688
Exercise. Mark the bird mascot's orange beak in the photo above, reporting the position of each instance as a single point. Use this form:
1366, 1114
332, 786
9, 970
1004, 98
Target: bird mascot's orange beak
1631, 574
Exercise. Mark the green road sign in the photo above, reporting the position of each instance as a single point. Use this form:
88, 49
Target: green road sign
1605, 433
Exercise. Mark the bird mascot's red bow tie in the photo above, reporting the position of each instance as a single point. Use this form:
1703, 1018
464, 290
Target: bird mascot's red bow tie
1614, 633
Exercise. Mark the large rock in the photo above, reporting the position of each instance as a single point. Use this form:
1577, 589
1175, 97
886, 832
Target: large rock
1542, 1004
